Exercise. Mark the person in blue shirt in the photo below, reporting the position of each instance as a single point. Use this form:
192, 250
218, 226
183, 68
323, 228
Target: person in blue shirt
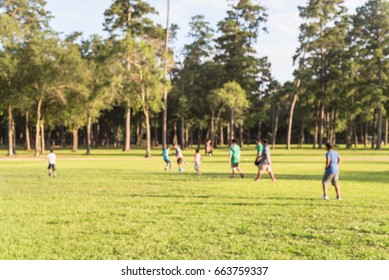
331, 174
165, 155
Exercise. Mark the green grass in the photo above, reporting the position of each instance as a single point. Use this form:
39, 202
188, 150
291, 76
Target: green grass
113, 205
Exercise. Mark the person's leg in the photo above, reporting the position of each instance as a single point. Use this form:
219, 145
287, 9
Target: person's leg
170, 165
240, 172
272, 177
233, 166
54, 170
325, 190
335, 183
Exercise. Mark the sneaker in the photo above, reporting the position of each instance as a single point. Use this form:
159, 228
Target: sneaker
49, 174
241, 176
325, 197
339, 198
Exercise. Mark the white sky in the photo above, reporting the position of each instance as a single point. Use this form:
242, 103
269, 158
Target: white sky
279, 44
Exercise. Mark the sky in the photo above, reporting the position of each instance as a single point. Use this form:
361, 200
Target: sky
279, 44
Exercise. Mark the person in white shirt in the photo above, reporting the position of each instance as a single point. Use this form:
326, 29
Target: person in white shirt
179, 157
52, 159
197, 159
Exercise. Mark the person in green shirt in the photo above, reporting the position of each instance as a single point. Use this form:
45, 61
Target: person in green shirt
259, 148
234, 159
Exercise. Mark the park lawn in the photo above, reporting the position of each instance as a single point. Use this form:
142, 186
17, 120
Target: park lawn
113, 205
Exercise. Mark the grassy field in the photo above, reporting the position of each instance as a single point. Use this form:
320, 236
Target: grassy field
113, 205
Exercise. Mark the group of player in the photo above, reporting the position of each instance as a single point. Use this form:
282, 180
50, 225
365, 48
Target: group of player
262, 161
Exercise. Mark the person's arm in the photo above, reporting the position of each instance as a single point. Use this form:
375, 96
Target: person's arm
230, 158
328, 162
268, 158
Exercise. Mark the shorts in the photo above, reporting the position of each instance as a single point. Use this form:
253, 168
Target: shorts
51, 166
179, 161
333, 178
265, 167
234, 165
197, 165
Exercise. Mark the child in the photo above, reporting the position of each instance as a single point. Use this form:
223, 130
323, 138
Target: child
208, 148
234, 158
179, 157
197, 159
331, 174
52, 158
165, 155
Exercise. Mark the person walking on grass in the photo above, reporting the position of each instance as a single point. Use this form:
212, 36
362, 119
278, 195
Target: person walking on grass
234, 158
331, 174
197, 161
208, 148
265, 165
52, 159
179, 157
259, 149
165, 155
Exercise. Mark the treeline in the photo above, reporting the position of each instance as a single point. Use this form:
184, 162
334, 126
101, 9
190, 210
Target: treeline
131, 88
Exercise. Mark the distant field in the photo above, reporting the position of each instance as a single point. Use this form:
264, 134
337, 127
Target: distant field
114, 205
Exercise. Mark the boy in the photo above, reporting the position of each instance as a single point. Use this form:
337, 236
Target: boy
208, 148
234, 159
179, 157
197, 159
331, 173
52, 158
165, 155
265, 164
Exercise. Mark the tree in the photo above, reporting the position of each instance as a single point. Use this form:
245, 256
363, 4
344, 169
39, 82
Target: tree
20, 19
370, 35
126, 20
317, 38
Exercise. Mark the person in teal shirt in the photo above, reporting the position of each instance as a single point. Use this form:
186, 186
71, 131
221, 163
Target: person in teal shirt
165, 155
234, 159
259, 148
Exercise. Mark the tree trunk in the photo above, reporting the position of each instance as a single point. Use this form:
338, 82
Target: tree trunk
63, 136
221, 135
139, 132
43, 143
75, 140
13, 136
366, 131
182, 134
259, 134
89, 134
148, 132
302, 134
348, 134
275, 127
27, 136
199, 136
355, 134
386, 131
127, 125
379, 129
10, 132
241, 136
374, 131
316, 133
321, 126
38, 127
175, 137
290, 121
165, 89
232, 126
187, 137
